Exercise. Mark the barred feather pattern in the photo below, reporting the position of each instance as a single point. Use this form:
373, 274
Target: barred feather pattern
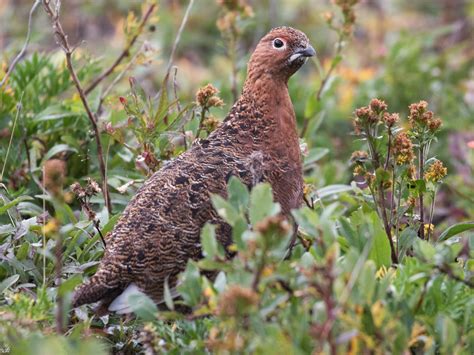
159, 230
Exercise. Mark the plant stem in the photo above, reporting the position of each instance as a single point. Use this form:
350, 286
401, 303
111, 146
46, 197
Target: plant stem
25, 45
59, 297
420, 176
61, 39
430, 221
18, 110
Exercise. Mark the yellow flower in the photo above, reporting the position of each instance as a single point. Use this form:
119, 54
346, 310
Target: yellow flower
51, 227
428, 228
436, 172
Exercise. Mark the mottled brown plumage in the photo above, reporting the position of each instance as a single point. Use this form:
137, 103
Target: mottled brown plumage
160, 228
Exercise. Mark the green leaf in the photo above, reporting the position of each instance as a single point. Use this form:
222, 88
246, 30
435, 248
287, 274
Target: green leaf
314, 155
306, 219
333, 190
407, 238
455, 229
210, 245
143, 306
238, 194
380, 251
8, 282
191, 287
13, 203
69, 285
424, 249
167, 295
261, 203
224, 209
58, 148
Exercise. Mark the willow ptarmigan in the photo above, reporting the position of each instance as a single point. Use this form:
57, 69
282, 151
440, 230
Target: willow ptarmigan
160, 228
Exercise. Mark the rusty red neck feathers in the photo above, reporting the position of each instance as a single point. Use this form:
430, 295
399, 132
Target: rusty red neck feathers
277, 57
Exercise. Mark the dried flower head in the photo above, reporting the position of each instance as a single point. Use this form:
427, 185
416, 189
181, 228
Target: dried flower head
411, 172
358, 170
417, 113
359, 156
347, 9
369, 178
434, 124
274, 224
54, 174
378, 106
391, 119
237, 300
403, 149
436, 171
411, 201
207, 97
210, 123
363, 113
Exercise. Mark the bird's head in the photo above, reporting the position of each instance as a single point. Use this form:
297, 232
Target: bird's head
280, 54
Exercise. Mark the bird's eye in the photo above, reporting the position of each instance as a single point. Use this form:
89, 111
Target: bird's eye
278, 43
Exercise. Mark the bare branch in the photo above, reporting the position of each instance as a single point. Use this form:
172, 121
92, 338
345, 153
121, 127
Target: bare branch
175, 45
25, 45
125, 52
178, 37
61, 39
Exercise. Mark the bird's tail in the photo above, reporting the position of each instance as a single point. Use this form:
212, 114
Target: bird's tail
101, 286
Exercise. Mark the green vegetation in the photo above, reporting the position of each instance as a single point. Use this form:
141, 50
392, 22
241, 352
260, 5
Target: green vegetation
383, 258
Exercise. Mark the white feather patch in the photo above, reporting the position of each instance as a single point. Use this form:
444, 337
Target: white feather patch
295, 56
121, 305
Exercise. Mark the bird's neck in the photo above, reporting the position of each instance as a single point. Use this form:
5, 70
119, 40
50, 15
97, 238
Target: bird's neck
271, 97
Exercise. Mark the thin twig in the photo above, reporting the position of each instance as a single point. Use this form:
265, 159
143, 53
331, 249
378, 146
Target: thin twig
178, 105
61, 39
18, 110
178, 37
116, 80
125, 52
175, 46
420, 176
59, 297
25, 45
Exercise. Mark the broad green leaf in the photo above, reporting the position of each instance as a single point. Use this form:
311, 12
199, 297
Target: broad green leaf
424, 249
380, 251
143, 306
225, 209
238, 194
8, 282
332, 190
167, 295
191, 287
210, 245
69, 285
306, 219
58, 148
261, 203
13, 203
315, 155
220, 282
406, 240
455, 229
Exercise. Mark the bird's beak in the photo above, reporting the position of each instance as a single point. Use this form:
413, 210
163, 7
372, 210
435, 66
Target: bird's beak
307, 52
303, 52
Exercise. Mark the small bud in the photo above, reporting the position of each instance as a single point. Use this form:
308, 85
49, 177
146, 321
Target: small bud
378, 106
